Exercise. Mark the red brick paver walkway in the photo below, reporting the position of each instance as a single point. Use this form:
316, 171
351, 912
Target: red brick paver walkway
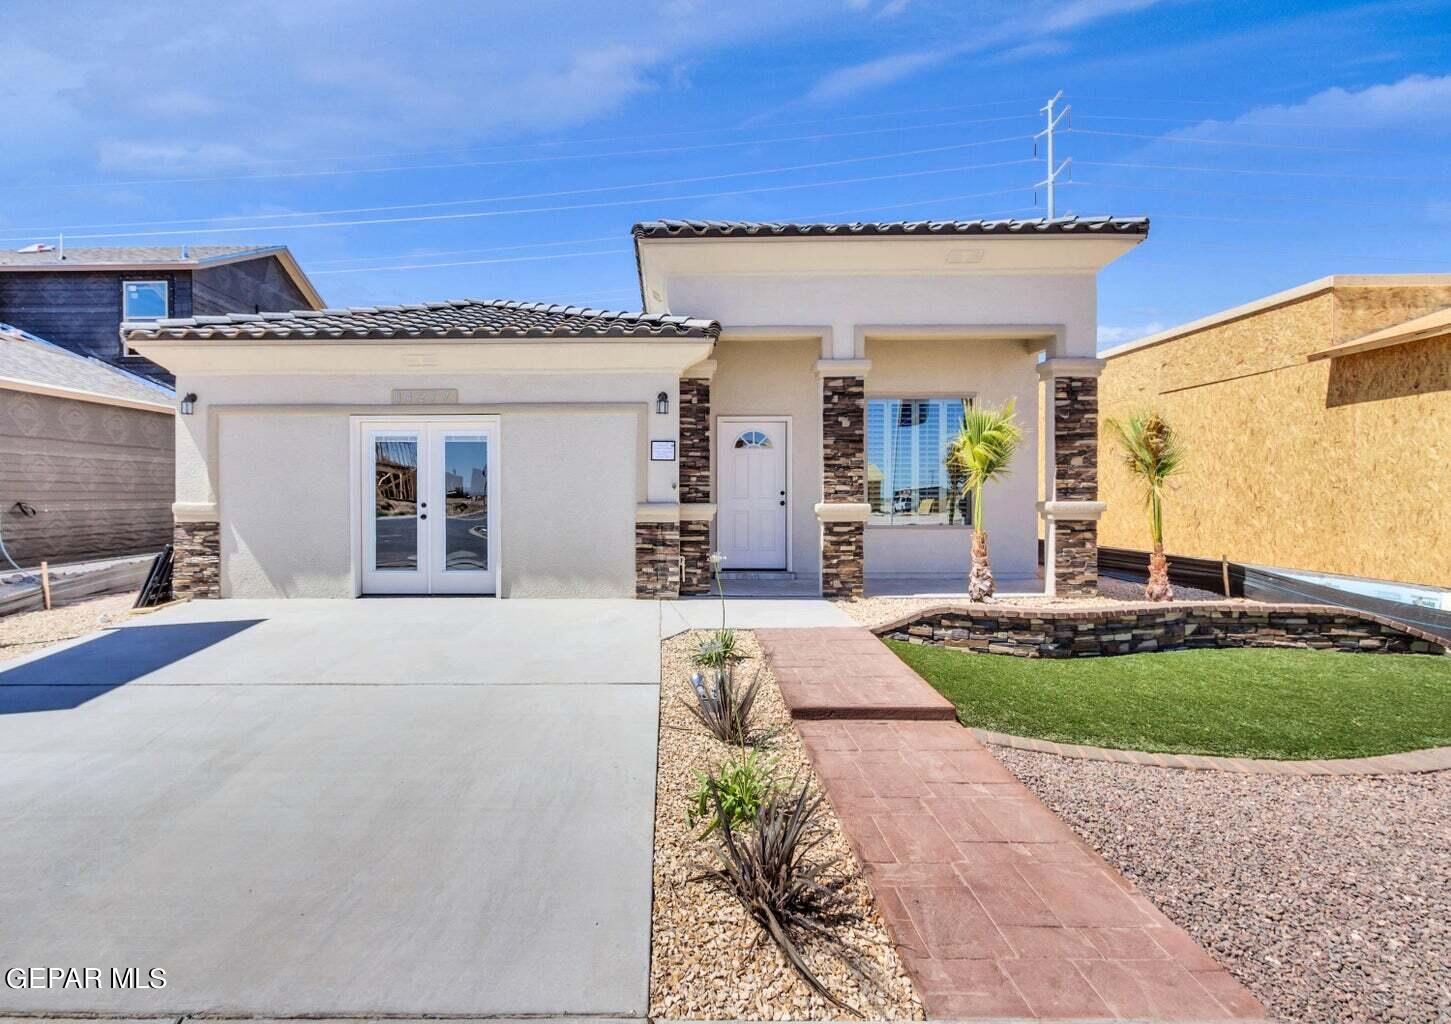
999, 909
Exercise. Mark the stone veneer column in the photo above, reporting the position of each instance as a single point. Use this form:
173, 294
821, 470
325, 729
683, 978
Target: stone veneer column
1073, 508
843, 510
196, 560
657, 558
696, 509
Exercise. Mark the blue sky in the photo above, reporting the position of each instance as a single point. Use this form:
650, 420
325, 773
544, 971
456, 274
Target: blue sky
503, 150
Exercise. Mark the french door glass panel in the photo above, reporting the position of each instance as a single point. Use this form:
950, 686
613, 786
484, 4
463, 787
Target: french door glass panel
432, 528
395, 502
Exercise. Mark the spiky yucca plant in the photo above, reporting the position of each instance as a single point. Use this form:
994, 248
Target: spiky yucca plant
1153, 453
795, 892
980, 453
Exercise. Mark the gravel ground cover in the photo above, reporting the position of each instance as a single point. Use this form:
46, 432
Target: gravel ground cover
1327, 897
878, 611
29, 632
708, 960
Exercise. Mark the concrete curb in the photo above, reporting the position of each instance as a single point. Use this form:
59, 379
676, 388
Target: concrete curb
1413, 762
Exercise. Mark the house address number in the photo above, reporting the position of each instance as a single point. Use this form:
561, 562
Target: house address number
425, 396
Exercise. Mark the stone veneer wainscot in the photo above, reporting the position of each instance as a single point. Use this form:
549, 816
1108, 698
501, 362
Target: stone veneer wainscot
196, 560
1075, 479
657, 559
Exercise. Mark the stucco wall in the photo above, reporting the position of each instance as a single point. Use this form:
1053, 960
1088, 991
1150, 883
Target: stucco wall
571, 462
761, 377
992, 371
1334, 465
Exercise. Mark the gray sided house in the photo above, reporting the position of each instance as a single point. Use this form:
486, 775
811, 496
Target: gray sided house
86, 456
77, 297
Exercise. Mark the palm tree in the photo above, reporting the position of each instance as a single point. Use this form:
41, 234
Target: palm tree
980, 453
1153, 453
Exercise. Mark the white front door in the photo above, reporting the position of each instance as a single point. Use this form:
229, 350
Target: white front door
751, 480
430, 506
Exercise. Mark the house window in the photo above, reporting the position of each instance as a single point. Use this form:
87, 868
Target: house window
144, 300
753, 439
908, 480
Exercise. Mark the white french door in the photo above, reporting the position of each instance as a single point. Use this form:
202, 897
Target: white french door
430, 506
751, 514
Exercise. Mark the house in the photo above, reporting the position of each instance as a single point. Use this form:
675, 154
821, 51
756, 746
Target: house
785, 396
85, 456
1318, 425
78, 297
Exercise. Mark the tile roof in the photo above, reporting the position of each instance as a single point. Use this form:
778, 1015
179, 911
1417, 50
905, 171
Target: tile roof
122, 256
756, 229
31, 360
465, 318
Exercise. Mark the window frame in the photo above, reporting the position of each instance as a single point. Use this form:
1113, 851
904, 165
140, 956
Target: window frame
911, 396
166, 283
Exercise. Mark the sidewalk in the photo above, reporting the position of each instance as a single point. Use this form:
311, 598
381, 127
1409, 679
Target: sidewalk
998, 908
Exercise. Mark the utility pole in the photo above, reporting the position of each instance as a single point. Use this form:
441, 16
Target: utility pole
1047, 132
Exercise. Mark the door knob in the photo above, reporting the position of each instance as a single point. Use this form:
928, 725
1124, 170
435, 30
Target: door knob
783, 502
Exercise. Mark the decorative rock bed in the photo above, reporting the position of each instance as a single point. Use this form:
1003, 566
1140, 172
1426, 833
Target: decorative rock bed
1031, 632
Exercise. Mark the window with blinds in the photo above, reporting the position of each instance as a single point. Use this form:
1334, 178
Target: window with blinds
908, 481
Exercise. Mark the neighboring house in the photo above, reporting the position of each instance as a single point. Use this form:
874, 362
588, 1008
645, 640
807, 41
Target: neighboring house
86, 466
77, 297
785, 397
1318, 424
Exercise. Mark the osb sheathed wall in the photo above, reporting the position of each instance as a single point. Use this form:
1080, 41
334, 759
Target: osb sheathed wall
1338, 465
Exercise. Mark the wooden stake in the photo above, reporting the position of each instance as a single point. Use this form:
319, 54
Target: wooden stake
1224, 572
45, 584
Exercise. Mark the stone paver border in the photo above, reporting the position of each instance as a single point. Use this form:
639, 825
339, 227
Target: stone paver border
1436, 759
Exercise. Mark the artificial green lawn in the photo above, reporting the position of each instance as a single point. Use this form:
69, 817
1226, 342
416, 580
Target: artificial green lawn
1273, 703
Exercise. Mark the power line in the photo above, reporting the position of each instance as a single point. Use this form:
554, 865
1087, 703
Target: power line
1276, 174
1232, 122
474, 263
1237, 142
555, 158
542, 209
545, 195
1235, 195
608, 238
465, 252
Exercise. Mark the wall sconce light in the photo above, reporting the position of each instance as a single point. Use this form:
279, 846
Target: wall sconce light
662, 403
188, 403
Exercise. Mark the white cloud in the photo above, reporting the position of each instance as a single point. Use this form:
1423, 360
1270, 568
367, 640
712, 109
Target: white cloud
274, 79
1111, 335
1417, 101
1026, 32
873, 74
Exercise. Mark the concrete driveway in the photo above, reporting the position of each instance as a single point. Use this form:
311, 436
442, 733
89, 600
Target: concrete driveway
419, 806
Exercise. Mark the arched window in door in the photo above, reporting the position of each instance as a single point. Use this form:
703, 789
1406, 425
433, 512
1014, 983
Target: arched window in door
753, 439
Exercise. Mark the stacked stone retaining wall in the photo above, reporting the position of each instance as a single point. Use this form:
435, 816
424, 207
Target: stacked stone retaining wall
1065, 633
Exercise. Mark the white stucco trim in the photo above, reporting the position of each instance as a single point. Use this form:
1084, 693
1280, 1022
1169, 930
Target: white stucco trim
1032, 336
843, 511
194, 512
1072, 510
657, 512
1064, 366
703, 370
843, 367
697, 512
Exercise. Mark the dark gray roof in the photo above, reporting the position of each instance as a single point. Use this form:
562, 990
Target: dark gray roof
465, 318
757, 229
78, 257
32, 360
